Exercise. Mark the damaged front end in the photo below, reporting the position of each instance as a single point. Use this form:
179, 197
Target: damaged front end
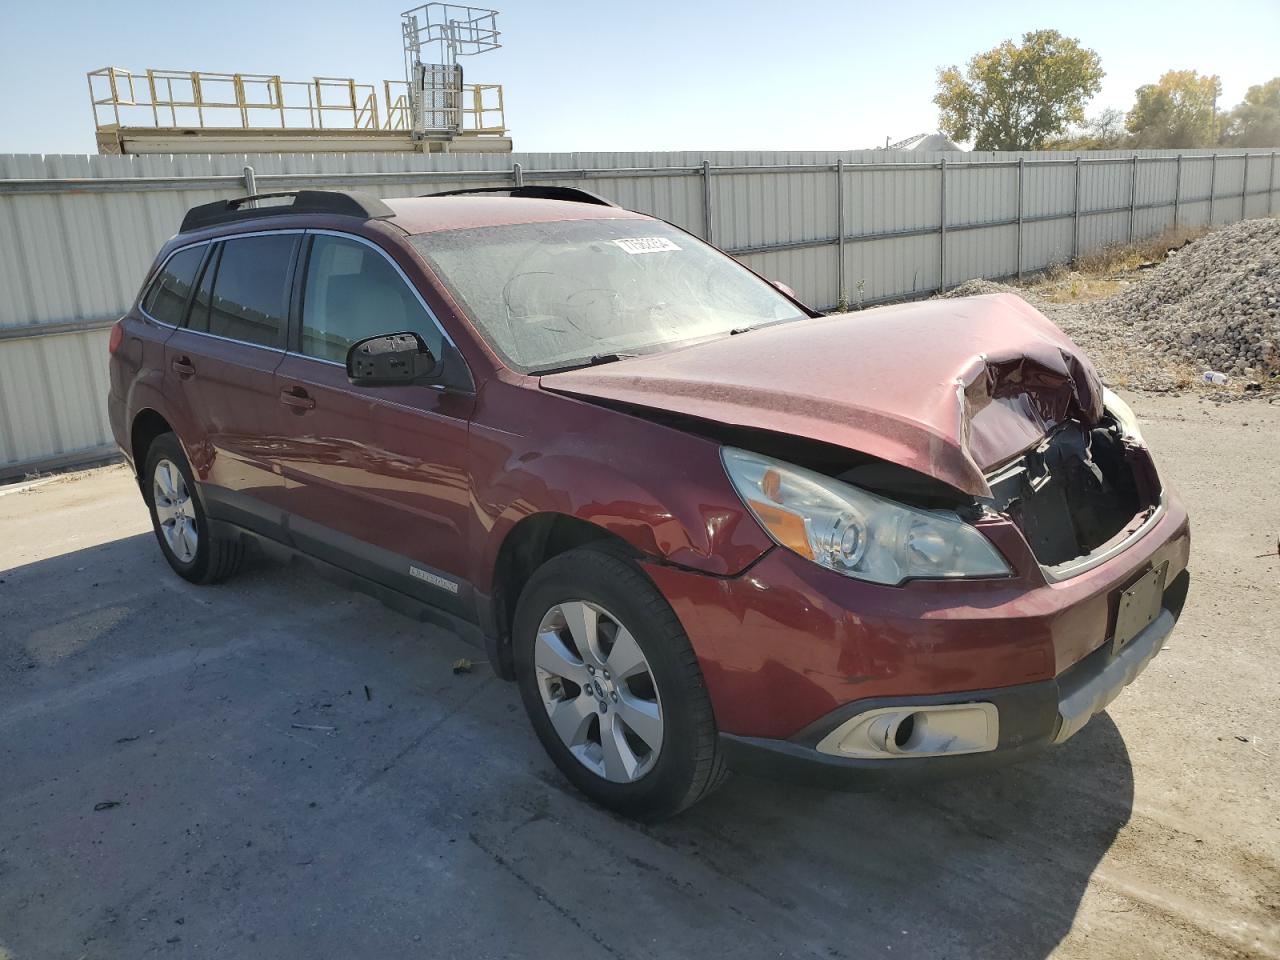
979, 407
1081, 495
1087, 486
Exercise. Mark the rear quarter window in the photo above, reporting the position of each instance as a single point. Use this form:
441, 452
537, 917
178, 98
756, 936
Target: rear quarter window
166, 298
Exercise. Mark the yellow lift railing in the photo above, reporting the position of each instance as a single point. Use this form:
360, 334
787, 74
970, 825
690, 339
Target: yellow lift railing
181, 99
480, 108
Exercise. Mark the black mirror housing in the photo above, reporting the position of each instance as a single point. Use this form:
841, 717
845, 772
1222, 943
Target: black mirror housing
390, 360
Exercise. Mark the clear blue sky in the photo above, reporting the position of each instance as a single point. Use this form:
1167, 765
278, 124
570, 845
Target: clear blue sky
653, 75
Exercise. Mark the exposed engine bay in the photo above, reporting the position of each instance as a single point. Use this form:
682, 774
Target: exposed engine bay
1075, 491
1072, 493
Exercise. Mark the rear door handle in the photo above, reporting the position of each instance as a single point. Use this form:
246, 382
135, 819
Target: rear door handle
183, 367
297, 398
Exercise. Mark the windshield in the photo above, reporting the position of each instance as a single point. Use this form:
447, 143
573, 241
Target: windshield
554, 295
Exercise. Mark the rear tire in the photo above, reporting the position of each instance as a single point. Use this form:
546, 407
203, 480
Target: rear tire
179, 520
639, 738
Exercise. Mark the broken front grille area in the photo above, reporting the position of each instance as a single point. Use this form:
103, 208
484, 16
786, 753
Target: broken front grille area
1077, 493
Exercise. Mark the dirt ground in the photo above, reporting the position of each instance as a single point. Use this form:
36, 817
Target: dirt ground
279, 768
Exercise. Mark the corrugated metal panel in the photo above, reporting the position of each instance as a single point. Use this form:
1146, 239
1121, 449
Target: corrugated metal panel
1046, 244
52, 396
883, 269
71, 255
810, 272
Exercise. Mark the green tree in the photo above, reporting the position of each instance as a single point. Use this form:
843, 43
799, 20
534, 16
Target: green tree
1015, 97
1255, 122
1105, 131
1177, 111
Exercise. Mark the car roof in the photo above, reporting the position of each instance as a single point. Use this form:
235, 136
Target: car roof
417, 215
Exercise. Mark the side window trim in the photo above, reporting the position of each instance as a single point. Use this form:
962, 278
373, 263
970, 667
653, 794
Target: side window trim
208, 262
295, 329
155, 278
293, 337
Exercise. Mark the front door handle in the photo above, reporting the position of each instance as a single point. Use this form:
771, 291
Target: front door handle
297, 398
183, 367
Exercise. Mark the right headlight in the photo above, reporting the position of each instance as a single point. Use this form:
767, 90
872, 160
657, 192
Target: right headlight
1123, 415
856, 533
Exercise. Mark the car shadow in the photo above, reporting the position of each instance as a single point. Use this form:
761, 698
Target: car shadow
104, 652
993, 865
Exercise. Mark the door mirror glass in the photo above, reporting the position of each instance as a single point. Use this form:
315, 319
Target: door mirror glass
393, 359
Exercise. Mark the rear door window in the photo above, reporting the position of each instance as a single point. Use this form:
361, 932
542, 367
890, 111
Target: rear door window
166, 299
353, 292
250, 289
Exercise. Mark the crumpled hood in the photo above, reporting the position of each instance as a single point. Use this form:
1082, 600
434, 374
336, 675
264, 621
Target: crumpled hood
949, 388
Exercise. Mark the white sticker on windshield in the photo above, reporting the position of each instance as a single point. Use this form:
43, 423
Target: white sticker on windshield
646, 244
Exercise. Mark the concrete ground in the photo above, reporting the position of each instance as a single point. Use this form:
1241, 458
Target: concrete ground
279, 768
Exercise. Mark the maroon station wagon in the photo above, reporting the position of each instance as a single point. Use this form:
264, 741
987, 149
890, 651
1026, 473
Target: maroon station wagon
700, 525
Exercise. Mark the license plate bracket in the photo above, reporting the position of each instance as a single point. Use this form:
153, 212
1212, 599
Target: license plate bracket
1139, 606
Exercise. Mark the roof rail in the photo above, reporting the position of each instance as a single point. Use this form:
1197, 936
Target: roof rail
336, 202
571, 194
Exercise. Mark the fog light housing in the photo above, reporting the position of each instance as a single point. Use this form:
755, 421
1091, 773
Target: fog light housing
936, 730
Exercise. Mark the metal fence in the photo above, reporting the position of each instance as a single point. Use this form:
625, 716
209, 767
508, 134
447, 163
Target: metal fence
844, 229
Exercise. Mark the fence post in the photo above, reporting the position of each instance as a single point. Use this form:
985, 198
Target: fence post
250, 184
708, 220
1133, 194
1213, 184
1244, 190
843, 301
942, 225
1177, 193
1271, 185
517, 174
1075, 220
1020, 169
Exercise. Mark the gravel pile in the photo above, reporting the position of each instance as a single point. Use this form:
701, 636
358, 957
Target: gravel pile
1213, 305
979, 288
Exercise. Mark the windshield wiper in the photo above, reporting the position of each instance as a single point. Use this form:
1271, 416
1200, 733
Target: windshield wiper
760, 326
592, 361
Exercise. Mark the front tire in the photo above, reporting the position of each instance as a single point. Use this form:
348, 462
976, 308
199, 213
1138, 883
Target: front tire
179, 520
612, 686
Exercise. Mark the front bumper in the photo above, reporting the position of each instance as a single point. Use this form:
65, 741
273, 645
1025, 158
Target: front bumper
1032, 717
789, 650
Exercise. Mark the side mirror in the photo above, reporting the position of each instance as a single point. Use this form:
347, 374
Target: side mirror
785, 289
393, 359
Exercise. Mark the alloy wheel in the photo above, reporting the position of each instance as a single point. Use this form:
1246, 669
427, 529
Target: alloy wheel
175, 511
598, 690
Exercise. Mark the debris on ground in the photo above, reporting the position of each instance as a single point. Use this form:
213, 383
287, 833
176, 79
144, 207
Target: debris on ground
462, 665
106, 804
1208, 316
313, 726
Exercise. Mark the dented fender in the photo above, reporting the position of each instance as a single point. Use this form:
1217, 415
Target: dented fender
663, 491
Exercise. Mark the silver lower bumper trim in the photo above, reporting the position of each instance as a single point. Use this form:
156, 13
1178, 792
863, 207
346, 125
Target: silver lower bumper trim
1078, 707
